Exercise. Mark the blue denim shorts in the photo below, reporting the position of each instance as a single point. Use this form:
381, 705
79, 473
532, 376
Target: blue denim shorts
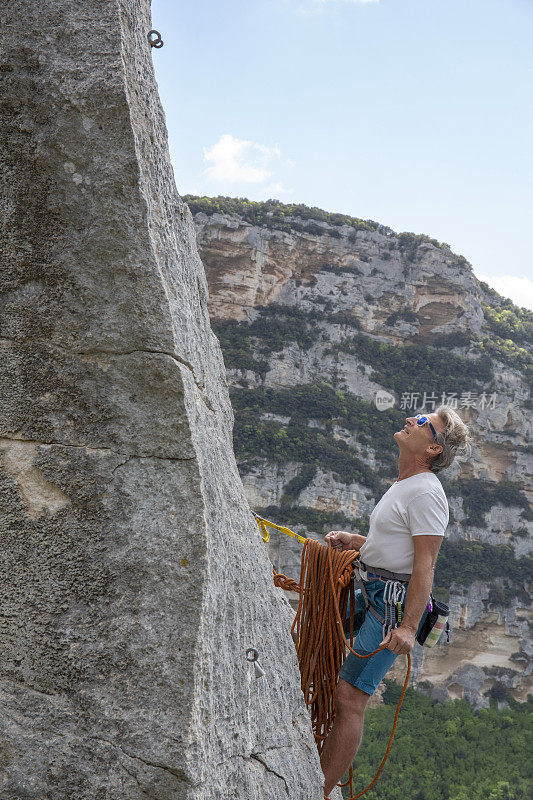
367, 673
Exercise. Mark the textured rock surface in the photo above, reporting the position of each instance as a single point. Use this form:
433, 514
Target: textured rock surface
371, 281
132, 574
394, 296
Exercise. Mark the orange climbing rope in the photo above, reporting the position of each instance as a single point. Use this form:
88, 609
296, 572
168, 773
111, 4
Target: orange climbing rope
318, 630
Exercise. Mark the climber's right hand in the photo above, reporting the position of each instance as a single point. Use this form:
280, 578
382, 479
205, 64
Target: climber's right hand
340, 540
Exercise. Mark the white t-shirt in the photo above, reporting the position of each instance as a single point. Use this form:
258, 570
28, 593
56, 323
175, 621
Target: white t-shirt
414, 506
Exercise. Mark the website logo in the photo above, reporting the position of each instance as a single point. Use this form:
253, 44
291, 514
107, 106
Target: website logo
384, 400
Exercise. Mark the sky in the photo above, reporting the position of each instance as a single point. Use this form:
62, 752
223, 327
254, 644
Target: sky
417, 114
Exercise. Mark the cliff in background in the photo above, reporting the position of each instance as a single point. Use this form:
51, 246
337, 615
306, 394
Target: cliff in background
318, 315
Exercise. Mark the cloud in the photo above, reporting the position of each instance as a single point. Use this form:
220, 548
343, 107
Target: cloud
239, 160
272, 191
278, 187
518, 288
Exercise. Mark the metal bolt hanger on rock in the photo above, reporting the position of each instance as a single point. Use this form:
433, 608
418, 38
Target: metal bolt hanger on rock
252, 655
154, 37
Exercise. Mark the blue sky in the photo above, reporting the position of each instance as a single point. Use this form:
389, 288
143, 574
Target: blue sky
415, 113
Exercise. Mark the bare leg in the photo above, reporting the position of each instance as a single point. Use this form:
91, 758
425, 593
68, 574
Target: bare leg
345, 736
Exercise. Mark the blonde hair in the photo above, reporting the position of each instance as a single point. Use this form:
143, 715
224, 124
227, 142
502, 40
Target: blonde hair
453, 439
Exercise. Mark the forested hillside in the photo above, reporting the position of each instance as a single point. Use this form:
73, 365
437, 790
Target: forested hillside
448, 751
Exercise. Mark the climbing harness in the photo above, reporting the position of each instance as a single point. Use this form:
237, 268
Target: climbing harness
393, 593
435, 621
326, 586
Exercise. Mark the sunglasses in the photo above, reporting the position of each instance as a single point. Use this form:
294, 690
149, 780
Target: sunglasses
421, 419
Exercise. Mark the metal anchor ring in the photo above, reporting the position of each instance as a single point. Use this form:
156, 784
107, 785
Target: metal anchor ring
252, 654
154, 37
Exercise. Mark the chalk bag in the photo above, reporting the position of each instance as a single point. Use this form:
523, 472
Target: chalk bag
435, 623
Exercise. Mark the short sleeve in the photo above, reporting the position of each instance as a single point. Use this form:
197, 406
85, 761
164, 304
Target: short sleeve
428, 514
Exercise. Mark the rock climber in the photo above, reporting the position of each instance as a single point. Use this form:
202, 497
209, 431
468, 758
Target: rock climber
406, 530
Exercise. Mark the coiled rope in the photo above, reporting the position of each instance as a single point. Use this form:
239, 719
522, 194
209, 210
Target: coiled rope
326, 584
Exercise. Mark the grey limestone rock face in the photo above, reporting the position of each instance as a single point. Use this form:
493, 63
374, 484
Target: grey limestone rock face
133, 576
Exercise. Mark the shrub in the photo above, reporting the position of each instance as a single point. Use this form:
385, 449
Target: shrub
479, 497
237, 347
506, 351
314, 520
322, 402
410, 242
281, 216
511, 323
458, 339
406, 316
447, 751
463, 562
292, 489
417, 368
338, 269
297, 442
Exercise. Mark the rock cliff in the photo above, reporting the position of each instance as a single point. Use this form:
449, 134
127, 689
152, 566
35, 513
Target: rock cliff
333, 330
133, 578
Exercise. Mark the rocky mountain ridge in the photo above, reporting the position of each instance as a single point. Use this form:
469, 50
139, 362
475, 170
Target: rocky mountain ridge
334, 329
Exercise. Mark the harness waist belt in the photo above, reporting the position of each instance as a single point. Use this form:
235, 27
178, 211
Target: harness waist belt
383, 574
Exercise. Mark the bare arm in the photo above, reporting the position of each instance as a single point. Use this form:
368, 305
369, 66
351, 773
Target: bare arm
402, 639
